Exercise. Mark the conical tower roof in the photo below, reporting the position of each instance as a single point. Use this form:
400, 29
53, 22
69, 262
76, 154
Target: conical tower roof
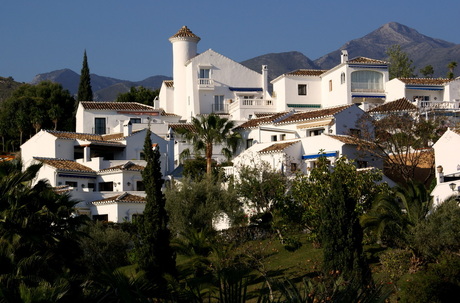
185, 33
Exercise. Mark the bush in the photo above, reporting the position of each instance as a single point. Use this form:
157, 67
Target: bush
395, 263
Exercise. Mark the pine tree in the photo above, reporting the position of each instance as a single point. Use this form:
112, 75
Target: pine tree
154, 251
85, 93
342, 235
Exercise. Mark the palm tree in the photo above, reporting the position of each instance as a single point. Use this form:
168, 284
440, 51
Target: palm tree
394, 214
451, 66
207, 131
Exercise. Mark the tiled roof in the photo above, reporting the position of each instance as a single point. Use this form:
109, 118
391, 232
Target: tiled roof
314, 114
128, 166
169, 83
187, 126
394, 106
263, 120
126, 106
109, 138
307, 72
344, 139
185, 32
425, 81
123, 198
65, 165
364, 60
277, 147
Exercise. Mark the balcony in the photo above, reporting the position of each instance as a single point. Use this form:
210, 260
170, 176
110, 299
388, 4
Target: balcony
439, 105
220, 108
205, 83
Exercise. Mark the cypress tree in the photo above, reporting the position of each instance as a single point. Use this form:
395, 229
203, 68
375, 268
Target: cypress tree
155, 255
342, 235
85, 93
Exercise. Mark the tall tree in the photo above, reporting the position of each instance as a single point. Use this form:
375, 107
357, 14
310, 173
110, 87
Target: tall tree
400, 64
342, 235
427, 71
85, 92
207, 131
452, 65
155, 255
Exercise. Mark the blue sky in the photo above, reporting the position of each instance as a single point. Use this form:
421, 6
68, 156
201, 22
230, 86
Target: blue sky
129, 39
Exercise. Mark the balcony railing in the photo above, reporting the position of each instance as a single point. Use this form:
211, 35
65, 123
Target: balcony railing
220, 108
204, 83
439, 105
254, 104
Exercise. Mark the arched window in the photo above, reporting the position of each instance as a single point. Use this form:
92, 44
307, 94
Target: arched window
366, 81
342, 78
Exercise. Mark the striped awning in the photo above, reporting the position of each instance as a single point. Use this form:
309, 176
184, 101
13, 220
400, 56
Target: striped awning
325, 154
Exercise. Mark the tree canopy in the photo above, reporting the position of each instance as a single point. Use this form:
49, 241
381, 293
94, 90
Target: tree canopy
139, 94
400, 64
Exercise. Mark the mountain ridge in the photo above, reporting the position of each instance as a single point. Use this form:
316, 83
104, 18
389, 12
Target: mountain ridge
421, 49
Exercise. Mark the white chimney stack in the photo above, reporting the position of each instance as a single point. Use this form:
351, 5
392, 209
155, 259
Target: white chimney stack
344, 57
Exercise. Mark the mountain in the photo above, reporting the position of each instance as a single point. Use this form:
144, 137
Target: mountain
104, 88
7, 86
422, 49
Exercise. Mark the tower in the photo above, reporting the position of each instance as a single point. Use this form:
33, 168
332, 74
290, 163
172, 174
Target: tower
184, 44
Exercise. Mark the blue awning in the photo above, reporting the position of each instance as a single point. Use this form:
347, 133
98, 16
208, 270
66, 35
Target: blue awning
315, 156
436, 88
245, 89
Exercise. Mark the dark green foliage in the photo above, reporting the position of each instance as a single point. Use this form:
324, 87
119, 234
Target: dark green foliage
45, 105
104, 248
427, 71
154, 252
38, 238
439, 283
85, 92
139, 94
400, 64
342, 235
440, 232
195, 204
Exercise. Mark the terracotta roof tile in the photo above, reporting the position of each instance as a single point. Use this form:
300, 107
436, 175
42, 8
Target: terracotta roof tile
425, 81
123, 198
128, 166
185, 32
169, 83
314, 114
65, 165
263, 120
394, 106
125, 106
364, 60
108, 139
307, 72
176, 126
344, 139
277, 147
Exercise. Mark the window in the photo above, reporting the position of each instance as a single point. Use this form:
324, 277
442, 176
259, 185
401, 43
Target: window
293, 167
283, 137
204, 73
361, 164
140, 186
106, 186
249, 143
315, 132
330, 85
135, 120
218, 103
342, 78
366, 81
302, 89
91, 186
421, 98
274, 138
103, 218
99, 126
355, 132
71, 184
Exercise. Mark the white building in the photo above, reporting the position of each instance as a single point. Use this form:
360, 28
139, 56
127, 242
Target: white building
211, 83
447, 165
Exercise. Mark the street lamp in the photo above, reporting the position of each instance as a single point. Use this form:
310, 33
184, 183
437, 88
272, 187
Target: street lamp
452, 186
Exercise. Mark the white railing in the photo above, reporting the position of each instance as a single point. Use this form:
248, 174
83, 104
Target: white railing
205, 83
446, 105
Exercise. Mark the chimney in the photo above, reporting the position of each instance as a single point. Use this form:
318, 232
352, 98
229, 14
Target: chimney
127, 128
344, 57
264, 81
